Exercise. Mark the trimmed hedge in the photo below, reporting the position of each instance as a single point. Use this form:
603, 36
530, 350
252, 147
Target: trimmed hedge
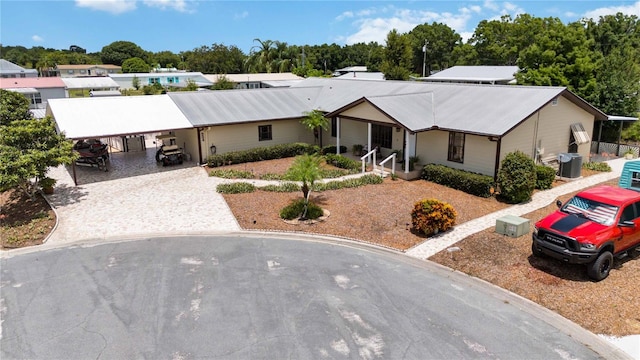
235, 188
331, 149
517, 177
544, 177
596, 166
259, 154
469, 182
342, 162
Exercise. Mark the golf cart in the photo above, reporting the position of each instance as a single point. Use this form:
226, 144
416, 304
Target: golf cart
168, 153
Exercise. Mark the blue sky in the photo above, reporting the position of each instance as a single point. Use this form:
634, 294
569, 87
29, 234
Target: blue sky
181, 25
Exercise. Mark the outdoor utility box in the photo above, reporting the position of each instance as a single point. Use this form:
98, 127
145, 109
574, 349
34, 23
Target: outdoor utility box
511, 225
570, 165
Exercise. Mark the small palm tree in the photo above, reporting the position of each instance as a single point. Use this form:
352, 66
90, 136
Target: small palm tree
314, 120
305, 168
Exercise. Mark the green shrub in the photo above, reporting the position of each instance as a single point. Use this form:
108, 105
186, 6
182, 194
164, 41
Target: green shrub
271, 176
235, 188
284, 187
469, 182
517, 177
369, 179
296, 208
596, 166
231, 174
430, 216
544, 177
342, 162
331, 149
258, 154
333, 173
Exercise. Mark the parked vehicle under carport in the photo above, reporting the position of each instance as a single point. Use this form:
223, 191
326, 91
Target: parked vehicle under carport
168, 153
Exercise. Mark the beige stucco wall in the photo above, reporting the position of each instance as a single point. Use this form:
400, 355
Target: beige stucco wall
479, 153
187, 139
551, 129
366, 111
245, 136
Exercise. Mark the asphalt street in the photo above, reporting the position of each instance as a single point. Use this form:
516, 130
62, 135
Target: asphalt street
266, 297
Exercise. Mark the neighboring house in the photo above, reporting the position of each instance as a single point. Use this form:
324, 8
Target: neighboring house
177, 79
11, 70
350, 70
362, 76
68, 71
257, 81
464, 126
475, 74
93, 84
37, 90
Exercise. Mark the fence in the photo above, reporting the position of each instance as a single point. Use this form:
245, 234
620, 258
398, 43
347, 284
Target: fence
613, 150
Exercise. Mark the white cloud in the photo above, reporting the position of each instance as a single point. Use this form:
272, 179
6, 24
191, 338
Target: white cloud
633, 9
491, 5
241, 15
111, 6
178, 5
344, 15
37, 38
404, 20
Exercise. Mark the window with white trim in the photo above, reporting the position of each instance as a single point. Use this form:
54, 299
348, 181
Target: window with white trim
456, 147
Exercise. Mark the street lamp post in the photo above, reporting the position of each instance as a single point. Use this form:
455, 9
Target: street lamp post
424, 58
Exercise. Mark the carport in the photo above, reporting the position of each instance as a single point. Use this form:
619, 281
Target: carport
109, 117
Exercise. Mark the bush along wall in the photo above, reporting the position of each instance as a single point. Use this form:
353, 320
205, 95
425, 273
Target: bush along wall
544, 177
469, 182
517, 177
259, 154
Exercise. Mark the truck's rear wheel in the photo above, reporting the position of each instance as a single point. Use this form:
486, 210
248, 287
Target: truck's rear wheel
599, 269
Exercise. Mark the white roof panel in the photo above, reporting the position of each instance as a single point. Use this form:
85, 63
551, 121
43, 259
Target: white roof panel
81, 118
95, 82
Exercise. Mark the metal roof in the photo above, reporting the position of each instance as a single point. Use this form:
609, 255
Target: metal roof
260, 77
281, 83
82, 118
94, 82
237, 106
362, 75
24, 91
473, 108
7, 67
483, 74
33, 82
88, 66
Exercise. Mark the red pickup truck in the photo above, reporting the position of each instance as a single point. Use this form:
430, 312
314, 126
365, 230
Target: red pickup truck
591, 228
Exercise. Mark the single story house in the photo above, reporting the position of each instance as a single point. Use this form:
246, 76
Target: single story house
465, 126
481, 74
11, 70
79, 85
176, 79
37, 90
83, 70
257, 81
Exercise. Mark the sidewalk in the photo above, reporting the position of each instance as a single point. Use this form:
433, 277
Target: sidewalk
540, 199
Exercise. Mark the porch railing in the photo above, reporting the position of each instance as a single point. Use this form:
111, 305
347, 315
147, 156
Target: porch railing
391, 157
368, 156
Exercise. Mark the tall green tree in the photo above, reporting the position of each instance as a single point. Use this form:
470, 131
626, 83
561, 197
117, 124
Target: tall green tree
13, 106
397, 57
440, 41
315, 121
28, 147
119, 51
135, 65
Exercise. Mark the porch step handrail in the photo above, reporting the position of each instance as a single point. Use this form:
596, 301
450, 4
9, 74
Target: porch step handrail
367, 156
393, 164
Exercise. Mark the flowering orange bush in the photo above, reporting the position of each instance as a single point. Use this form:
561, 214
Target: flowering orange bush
430, 216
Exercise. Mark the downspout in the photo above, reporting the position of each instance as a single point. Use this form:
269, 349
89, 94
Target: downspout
199, 134
337, 135
497, 164
536, 153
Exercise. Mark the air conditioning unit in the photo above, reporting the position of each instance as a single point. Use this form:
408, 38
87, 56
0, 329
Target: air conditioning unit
513, 226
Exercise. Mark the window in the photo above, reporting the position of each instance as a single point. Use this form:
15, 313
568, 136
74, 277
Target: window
69, 71
381, 135
456, 147
36, 99
264, 133
635, 180
154, 81
334, 127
